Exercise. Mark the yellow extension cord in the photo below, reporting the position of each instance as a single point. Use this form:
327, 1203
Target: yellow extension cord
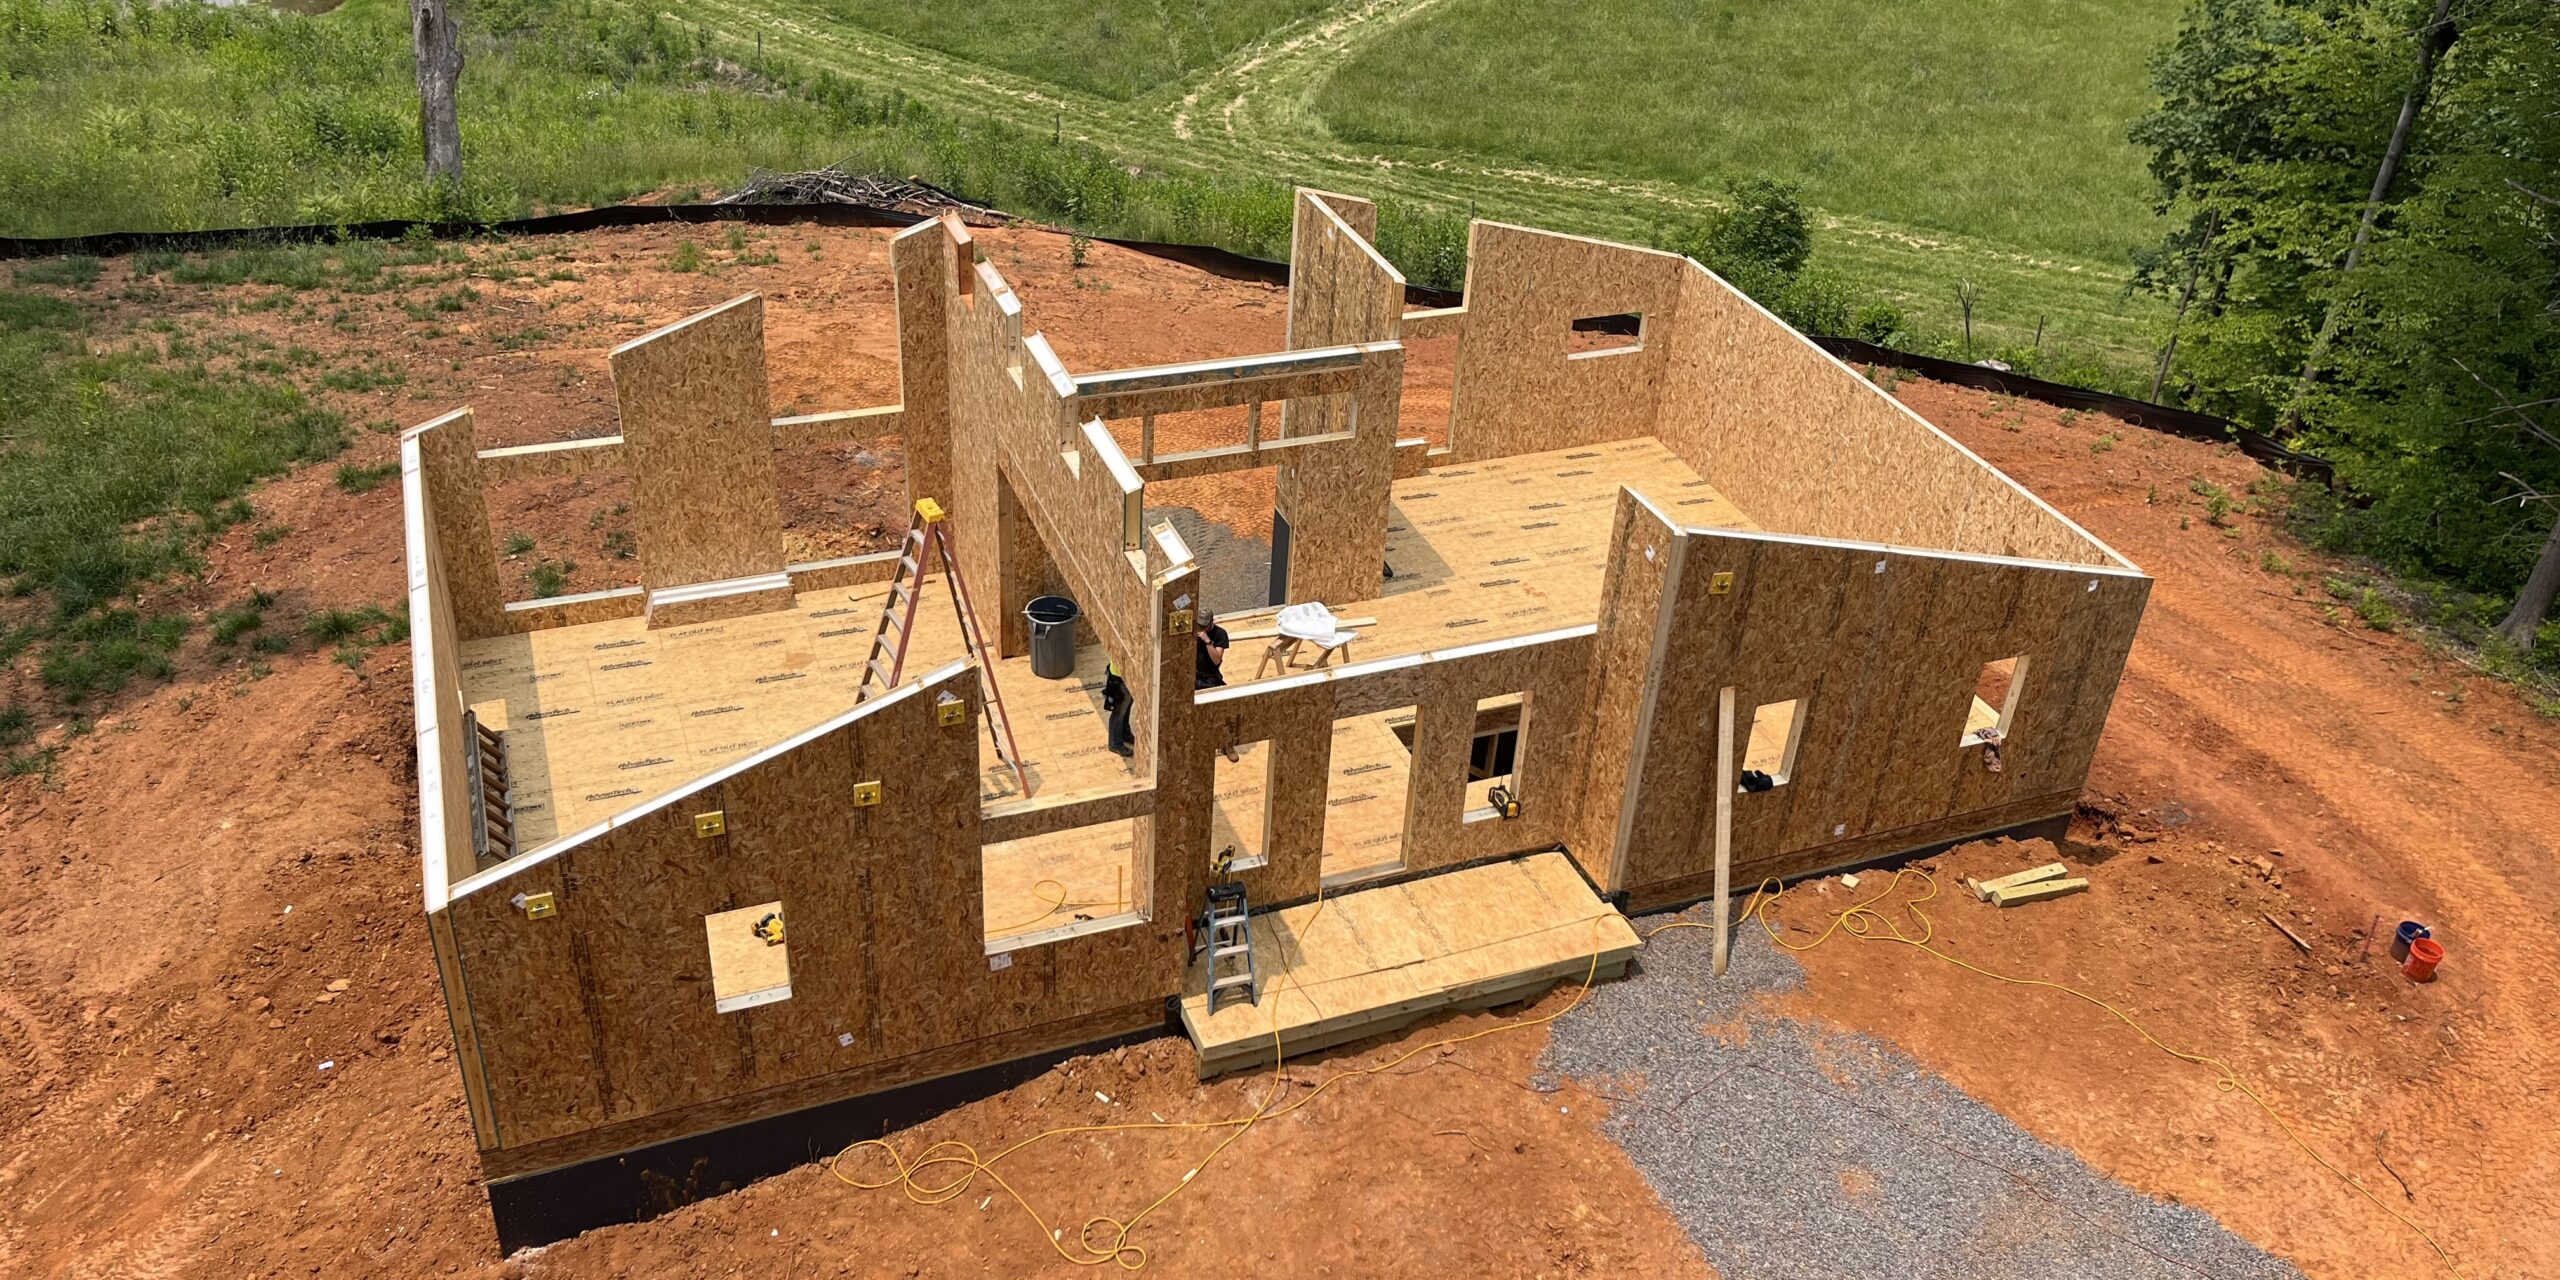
1859, 920
1058, 902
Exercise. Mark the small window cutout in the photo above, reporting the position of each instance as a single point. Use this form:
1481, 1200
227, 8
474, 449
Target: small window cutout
1769, 758
1240, 809
1493, 757
1607, 335
750, 961
1995, 702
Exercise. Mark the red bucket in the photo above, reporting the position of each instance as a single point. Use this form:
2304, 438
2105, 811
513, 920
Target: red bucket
2424, 955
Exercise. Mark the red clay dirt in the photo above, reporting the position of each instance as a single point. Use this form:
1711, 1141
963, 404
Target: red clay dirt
204, 869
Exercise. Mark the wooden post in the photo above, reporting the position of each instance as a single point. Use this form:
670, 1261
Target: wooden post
439, 58
1724, 826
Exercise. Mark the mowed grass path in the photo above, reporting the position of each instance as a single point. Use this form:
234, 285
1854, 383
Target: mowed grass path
1116, 48
2004, 122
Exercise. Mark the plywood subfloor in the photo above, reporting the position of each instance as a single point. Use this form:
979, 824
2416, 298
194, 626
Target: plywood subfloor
1372, 960
603, 716
1511, 546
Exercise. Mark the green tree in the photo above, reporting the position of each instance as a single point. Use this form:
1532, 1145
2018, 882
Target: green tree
2440, 344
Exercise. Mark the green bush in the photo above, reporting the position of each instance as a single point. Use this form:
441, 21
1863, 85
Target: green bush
101, 651
78, 271
355, 479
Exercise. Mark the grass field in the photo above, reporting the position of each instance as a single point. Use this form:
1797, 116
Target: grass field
2000, 123
1116, 48
181, 116
186, 116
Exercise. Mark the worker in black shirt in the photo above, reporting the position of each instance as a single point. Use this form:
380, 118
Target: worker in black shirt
1115, 699
1212, 640
1213, 651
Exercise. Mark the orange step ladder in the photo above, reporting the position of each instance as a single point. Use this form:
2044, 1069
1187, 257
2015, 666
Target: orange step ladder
929, 541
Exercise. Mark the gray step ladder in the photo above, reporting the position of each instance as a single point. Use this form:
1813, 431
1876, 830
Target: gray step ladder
1232, 972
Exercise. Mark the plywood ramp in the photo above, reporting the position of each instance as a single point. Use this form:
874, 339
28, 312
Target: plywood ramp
1363, 963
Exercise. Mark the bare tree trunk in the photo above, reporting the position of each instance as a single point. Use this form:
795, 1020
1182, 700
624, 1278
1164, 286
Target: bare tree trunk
2431, 42
2169, 350
439, 50
2533, 603
2195, 272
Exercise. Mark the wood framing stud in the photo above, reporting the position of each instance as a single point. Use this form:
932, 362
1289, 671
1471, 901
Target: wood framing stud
1983, 889
2037, 892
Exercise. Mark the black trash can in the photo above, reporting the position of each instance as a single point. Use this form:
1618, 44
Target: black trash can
1053, 636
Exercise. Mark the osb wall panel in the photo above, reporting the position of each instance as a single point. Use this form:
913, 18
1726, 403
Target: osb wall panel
1516, 391
1297, 719
557, 458
1883, 648
1808, 446
603, 1013
1337, 496
538, 1047
1299, 727
466, 1041
1645, 551
1175, 739
926, 263
2097, 628
1010, 417
449, 461
1341, 291
569, 611
698, 435
445, 789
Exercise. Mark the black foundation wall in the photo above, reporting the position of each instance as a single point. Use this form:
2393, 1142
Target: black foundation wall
632, 1186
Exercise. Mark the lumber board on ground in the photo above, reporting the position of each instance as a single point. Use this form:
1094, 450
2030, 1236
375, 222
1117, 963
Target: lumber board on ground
1983, 889
2017, 895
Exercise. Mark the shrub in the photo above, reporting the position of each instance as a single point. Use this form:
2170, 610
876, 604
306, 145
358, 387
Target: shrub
550, 577
355, 479
1877, 322
77, 271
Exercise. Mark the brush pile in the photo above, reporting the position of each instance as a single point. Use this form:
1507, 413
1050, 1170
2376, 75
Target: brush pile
835, 186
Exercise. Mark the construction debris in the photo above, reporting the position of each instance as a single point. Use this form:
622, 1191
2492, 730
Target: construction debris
2282, 928
1985, 889
835, 186
2037, 892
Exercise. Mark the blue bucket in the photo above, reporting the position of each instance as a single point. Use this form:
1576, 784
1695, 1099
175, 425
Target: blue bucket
2408, 932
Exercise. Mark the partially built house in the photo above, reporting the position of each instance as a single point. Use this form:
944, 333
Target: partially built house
1676, 602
